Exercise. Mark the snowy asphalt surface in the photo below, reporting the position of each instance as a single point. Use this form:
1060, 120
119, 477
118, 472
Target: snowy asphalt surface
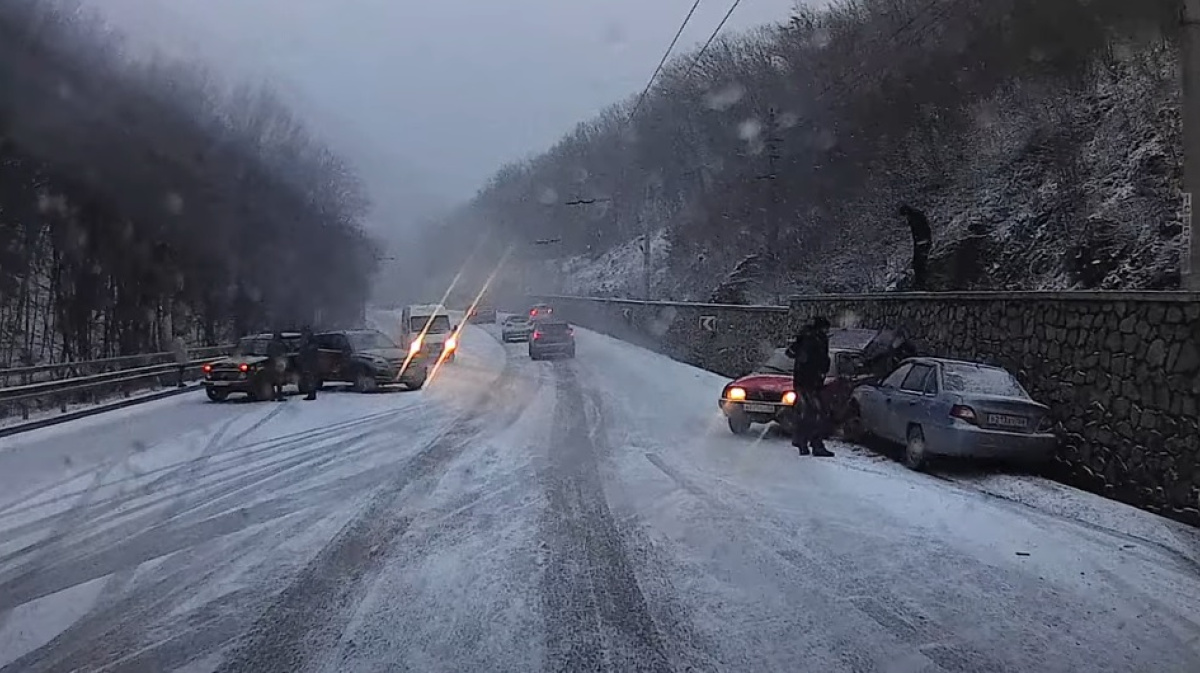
585, 515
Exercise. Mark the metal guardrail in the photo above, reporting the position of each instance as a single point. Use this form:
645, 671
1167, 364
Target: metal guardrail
60, 370
42, 395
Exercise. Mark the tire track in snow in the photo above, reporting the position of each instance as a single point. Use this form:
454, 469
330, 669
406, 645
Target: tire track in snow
306, 620
596, 616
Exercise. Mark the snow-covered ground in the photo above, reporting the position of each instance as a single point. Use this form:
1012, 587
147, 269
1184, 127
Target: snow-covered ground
588, 514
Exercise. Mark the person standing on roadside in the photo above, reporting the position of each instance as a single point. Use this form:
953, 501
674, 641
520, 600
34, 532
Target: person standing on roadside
308, 361
277, 356
922, 237
180, 351
810, 352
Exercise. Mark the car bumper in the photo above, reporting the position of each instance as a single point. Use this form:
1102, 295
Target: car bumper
236, 386
757, 412
515, 336
991, 444
416, 372
542, 347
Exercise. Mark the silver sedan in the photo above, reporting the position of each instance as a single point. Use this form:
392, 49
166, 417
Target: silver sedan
940, 407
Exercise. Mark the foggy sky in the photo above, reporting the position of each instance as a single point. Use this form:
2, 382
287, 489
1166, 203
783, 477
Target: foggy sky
429, 97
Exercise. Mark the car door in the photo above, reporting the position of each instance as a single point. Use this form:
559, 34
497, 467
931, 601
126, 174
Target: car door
875, 402
909, 403
333, 354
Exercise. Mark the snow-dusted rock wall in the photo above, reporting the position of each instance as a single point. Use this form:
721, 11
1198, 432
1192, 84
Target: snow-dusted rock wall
1120, 371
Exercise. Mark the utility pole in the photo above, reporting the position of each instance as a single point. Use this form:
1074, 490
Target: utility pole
1189, 67
770, 210
645, 222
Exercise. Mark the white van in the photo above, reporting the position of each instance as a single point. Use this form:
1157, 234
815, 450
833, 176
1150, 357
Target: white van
430, 328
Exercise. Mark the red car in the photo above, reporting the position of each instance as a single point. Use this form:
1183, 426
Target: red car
765, 395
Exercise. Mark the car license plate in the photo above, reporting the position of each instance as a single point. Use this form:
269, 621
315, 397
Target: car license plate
1006, 421
759, 408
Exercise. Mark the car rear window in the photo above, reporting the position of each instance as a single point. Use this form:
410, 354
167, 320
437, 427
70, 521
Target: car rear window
439, 325
553, 327
980, 380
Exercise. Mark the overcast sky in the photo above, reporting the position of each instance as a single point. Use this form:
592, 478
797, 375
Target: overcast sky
430, 97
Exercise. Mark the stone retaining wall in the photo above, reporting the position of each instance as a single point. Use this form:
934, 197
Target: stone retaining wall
1121, 371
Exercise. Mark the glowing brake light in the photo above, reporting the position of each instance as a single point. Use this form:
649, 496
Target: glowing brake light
736, 394
789, 397
244, 367
537, 334
207, 368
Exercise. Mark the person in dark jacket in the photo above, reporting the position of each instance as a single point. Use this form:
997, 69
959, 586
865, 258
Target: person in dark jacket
810, 352
277, 357
922, 237
308, 361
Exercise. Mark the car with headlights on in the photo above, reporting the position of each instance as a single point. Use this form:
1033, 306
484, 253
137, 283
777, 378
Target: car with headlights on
367, 359
941, 407
248, 370
765, 395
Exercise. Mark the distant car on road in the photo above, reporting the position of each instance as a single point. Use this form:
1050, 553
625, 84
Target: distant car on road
540, 311
551, 337
515, 328
940, 407
482, 314
248, 369
367, 359
428, 331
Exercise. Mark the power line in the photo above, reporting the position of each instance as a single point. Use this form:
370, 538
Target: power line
712, 37
665, 56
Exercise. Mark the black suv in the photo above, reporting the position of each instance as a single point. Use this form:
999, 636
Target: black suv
551, 337
368, 359
248, 370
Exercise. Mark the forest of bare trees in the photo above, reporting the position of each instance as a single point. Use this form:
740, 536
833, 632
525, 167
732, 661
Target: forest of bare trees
139, 199
792, 146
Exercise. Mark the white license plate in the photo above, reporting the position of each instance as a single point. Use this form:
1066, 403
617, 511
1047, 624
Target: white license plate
1006, 421
759, 408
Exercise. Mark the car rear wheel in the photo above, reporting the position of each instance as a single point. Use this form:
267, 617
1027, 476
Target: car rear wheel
915, 457
216, 394
739, 424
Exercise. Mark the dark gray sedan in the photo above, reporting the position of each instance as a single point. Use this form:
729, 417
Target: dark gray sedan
940, 407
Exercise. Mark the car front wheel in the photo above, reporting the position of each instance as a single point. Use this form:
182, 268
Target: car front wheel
364, 382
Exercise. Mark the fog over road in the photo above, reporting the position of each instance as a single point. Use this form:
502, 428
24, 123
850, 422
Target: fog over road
578, 515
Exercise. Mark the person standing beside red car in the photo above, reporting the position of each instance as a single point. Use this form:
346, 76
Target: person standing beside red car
810, 352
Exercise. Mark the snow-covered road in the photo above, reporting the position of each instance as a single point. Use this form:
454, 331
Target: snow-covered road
579, 515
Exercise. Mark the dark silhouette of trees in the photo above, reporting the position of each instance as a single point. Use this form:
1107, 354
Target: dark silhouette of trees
142, 198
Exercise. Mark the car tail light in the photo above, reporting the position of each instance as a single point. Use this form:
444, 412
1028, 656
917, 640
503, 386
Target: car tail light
789, 397
964, 413
207, 369
736, 393
244, 367
537, 334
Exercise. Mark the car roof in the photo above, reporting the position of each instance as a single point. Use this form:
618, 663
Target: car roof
271, 335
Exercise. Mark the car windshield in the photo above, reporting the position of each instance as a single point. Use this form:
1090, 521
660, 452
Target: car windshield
517, 320
253, 346
778, 363
981, 380
439, 325
366, 341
